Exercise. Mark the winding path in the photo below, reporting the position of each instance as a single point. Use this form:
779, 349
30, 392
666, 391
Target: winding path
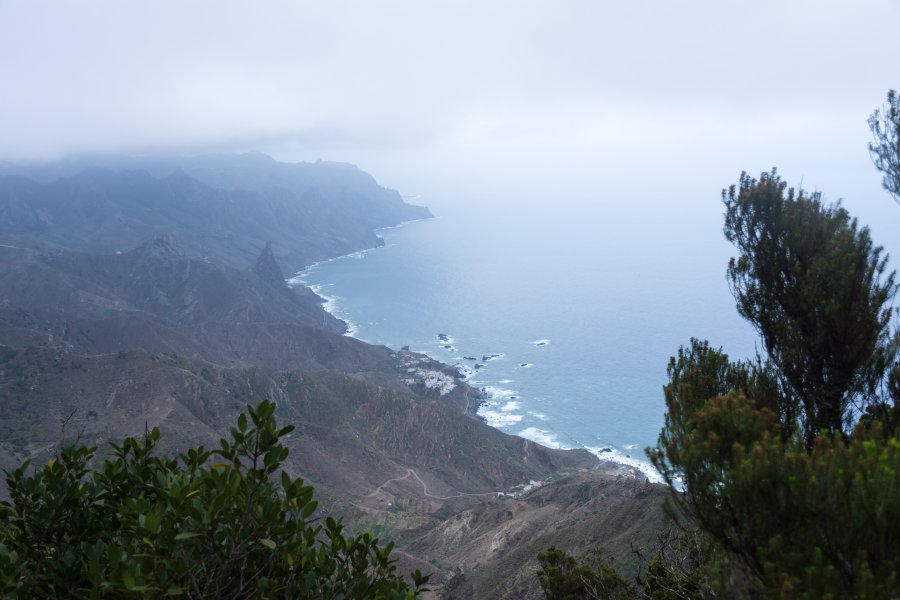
412, 473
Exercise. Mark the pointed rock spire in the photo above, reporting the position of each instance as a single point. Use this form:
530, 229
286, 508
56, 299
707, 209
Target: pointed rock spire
267, 268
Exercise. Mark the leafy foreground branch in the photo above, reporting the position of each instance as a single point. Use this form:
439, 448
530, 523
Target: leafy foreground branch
207, 524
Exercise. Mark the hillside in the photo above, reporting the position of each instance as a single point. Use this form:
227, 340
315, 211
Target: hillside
130, 300
219, 208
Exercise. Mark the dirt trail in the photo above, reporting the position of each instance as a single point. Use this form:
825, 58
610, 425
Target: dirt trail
412, 473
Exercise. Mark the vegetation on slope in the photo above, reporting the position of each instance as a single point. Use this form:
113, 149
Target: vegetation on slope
783, 470
227, 523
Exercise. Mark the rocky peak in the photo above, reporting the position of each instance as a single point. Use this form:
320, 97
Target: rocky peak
161, 248
267, 268
160, 265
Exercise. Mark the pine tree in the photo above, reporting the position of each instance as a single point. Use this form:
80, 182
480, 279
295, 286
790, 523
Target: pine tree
815, 287
784, 463
885, 151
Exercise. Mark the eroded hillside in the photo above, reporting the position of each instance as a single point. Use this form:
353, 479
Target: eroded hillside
131, 300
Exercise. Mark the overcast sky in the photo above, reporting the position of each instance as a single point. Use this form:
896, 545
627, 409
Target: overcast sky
479, 97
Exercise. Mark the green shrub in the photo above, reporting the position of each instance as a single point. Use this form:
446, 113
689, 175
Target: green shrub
227, 523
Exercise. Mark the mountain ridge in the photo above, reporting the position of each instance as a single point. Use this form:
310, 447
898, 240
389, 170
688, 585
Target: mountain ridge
133, 299
101, 210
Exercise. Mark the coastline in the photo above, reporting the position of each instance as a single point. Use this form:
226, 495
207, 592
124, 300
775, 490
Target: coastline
495, 404
329, 303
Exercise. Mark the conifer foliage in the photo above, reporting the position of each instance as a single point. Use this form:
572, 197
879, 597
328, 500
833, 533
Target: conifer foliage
785, 462
814, 286
228, 523
885, 150
785, 470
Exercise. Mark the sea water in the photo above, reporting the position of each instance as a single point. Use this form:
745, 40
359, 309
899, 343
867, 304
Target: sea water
565, 317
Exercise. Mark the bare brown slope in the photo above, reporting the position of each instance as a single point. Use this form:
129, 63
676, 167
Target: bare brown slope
352, 435
411, 469
492, 548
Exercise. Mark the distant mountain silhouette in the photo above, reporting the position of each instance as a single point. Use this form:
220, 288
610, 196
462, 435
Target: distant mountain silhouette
224, 208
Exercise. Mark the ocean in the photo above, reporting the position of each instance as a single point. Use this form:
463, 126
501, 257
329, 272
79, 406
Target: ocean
565, 314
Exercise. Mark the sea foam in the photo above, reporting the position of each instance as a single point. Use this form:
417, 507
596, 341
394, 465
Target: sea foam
541, 436
617, 456
499, 419
499, 393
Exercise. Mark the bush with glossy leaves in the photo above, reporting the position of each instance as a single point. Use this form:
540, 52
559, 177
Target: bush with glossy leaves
227, 523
